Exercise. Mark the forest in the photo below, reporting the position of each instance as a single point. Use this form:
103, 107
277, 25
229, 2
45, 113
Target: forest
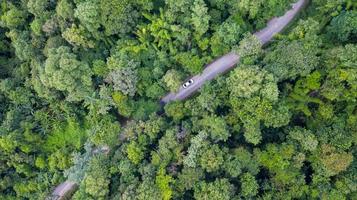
81, 83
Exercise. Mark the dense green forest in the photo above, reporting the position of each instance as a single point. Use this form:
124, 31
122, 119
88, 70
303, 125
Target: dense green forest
77, 76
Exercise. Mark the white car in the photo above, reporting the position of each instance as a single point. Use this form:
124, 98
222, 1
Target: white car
188, 83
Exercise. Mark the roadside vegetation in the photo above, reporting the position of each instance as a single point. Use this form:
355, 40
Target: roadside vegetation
80, 75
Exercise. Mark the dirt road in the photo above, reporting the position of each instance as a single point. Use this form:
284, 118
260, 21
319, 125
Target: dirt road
217, 67
228, 61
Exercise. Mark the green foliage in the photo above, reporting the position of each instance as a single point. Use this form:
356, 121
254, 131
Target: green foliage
64, 9
340, 82
259, 10
122, 103
282, 125
212, 158
249, 49
36, 26
176, 110
58, 160
77, 36
13, 17
144, 109
148, 190
249, 81
240, 160
96, 180
344, 26
21, 42
71, 135
209, 98
290, 60
155, 91
104, 131
80, 164
333, 161
37, 7
227, 34
135, 152
62, 71
333, 8
300, 95
99, 68
88, 14
117, 16
249, 185
192, 63
279, 161
200, 18
274, 158
219, 189
196, 145
305, 138
216, 127
188, 178
163, 182
253, 96
169, 150
297, 55
172, 80
123, 80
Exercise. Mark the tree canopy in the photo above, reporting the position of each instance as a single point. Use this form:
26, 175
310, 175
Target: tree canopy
81, 83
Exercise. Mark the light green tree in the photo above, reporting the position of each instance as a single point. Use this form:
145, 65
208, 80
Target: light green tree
220, 189
249, 186
173, 80
215, 126
63, 72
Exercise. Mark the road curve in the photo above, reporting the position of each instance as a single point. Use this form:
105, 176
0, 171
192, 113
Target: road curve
64, 191
228, 61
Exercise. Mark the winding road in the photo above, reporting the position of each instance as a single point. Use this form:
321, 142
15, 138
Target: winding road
228, 61
212, 70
